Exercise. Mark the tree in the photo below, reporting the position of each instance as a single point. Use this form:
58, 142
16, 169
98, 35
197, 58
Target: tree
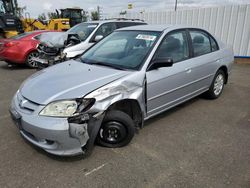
85, 16
95, 15
42, 17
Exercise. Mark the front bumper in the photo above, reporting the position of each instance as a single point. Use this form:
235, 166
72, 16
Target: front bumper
54, 135
43, 63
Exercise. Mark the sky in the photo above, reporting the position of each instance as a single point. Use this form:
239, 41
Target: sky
36, 7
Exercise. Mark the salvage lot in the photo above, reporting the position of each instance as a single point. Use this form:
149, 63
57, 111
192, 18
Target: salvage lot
201, 143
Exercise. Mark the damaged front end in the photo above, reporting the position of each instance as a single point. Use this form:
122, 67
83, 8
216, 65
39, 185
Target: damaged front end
51, 48
123, 95
85, 128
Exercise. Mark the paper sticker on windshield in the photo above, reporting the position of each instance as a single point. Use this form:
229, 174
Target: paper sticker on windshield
146, 37
92, 25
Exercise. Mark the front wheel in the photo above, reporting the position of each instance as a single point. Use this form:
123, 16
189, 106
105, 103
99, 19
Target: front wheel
217, 85
117, 130
30, 61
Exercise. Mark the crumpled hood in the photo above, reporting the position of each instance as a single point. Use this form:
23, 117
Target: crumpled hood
54, 39
68, 80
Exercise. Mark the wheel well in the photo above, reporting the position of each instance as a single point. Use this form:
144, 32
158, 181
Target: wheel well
224, 69
28, 53
130, 107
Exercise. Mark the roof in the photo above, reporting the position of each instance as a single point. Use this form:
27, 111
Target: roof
159, 28
114, 20
147, 27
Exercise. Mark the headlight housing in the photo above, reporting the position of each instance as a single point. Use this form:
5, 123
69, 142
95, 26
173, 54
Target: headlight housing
66, 108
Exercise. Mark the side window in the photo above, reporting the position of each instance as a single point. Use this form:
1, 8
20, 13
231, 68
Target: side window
200, 42
214, 45
37, 37
121, 24
128, 24
175, 46
105, 29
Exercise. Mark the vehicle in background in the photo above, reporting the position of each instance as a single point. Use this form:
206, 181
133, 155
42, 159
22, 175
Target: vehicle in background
63, 22
75, 15
21, 48
10, 24
60, 24
130, 76
76, 40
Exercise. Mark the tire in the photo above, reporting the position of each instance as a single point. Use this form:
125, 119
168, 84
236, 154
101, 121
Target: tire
29, 62
217, 85
117, 130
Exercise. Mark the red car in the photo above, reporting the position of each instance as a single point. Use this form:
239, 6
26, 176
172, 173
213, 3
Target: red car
20, 49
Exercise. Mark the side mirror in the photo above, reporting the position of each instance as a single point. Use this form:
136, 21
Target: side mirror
161, 62
98, 38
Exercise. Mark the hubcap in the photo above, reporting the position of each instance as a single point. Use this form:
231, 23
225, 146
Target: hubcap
113, 132
31, 62
218, 84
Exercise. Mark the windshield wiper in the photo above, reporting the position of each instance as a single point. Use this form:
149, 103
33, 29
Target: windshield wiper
107, 65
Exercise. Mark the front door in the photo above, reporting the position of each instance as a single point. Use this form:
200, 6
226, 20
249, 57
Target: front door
168, 86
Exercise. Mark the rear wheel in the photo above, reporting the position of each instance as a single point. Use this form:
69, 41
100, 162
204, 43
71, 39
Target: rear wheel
117, 130
29, 60
217, 85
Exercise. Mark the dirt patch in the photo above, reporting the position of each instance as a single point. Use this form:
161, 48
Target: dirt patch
242, 60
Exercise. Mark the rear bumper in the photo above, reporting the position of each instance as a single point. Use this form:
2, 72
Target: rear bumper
12, 56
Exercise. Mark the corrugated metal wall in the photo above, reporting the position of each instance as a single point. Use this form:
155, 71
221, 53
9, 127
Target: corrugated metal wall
229, 23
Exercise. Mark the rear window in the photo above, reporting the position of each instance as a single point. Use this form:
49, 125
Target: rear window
22, 35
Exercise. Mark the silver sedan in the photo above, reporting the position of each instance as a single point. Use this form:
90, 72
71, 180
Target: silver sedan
130, 76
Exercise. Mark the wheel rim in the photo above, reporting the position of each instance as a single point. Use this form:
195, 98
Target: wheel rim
113, 132
218, 84
30, 60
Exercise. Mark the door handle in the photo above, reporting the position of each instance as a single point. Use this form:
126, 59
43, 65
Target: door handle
188, 70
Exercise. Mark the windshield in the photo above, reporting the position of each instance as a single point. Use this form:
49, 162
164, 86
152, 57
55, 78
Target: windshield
122, 49
83, 30
71, 13
6, 6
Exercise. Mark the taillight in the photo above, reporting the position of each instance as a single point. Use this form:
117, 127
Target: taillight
10, 44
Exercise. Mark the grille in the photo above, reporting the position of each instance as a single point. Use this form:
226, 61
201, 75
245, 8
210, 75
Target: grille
25, 104
47, 50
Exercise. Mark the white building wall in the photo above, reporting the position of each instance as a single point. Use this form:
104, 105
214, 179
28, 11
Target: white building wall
230, 23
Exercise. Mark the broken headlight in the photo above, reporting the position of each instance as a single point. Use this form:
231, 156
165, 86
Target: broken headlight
66, 108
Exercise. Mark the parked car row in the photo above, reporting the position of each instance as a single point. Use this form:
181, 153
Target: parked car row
107, 93
44, 48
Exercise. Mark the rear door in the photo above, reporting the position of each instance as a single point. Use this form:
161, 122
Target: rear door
205, 58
